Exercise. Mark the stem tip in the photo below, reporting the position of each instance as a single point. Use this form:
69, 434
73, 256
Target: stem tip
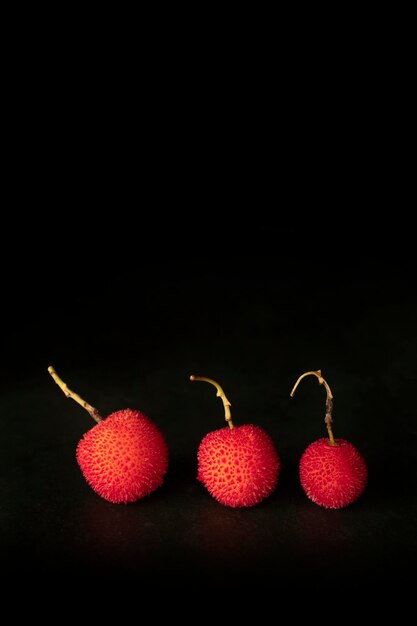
220, 393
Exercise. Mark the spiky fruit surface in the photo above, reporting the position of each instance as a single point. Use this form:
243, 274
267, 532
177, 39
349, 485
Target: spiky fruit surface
124, 457
333, 476
239, 466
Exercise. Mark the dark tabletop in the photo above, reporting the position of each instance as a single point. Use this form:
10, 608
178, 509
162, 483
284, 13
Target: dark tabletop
125, 323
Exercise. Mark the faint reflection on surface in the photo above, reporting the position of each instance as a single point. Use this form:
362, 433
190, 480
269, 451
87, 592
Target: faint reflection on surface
236, 541
224, 530
106, 524
123, 538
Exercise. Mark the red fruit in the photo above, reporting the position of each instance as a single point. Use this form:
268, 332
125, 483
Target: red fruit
333, 473
238, 465
124, 457
333, 476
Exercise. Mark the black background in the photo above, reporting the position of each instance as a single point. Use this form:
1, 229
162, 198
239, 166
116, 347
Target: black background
127, 312
234, 210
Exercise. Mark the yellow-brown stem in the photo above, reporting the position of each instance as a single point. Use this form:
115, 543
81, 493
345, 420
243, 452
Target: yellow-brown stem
220, 394
329, 402
70, 394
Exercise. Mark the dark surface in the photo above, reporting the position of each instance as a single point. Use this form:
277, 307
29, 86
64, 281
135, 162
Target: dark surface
254, 307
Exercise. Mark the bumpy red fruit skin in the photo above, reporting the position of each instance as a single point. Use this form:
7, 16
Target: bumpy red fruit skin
333, 476
124, 457
239, 466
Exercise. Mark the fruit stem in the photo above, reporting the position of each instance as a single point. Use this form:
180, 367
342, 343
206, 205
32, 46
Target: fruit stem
70, 394
328, 420
220, 394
